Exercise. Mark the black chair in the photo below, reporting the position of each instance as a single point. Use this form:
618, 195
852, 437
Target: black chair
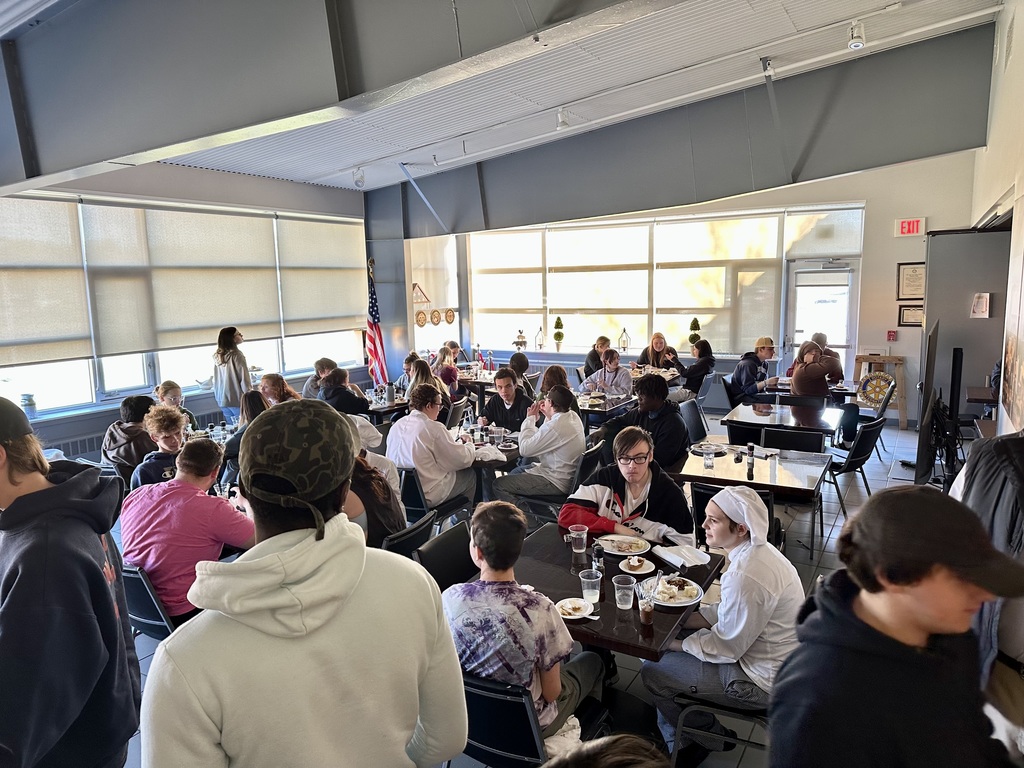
702, 395
412, 538
693, 704
690, 412
415, 500
741, 434
503, 727
794, 440
581, 374
146, 613
446, 557
701, 494
863, 447
805, 401
879, 413
455, 414
727, 386
589, 461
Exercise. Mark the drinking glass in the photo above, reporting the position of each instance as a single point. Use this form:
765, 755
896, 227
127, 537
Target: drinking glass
590, 580
623, 591
578, 536
709, 456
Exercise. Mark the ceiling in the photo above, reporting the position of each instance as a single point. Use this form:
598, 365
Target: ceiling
633, 59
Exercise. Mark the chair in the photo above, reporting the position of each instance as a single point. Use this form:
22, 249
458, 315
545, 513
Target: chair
741, 434
690, 412
412, 538
534, 379
581, 374
146, 613
456, 412
691, 703
863, 446
702, 395
701, 494
503, 727
879, 413
727, 386
415, 501
794, 440
589, 461
446, 557
802, 400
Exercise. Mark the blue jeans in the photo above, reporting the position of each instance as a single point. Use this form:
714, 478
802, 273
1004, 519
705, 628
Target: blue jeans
230, 413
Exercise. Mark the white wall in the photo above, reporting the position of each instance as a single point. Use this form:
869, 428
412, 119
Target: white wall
938, 188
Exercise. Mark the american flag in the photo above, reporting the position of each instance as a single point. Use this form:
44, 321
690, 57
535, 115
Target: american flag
377, 363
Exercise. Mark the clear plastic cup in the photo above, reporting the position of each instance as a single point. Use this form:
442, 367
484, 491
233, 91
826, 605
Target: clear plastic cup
646, 611
578, 537
590, 581
708, 451
623, 591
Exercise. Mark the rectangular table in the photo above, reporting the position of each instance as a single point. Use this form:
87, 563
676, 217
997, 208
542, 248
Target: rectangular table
845, 388
610, 406
379, 412
549, 566
981, 395
785, 417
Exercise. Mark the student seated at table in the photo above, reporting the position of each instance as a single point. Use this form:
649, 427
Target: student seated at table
739, 644
556, 445
402, 382
593, 362
555, 376
657, 415
444, 465
251, 405
611, 378
633, 497
694, 375
373, 504
276, 389
887, 672
515, 635
508, 408
822, 341
750, 379
167, 528
126, 441
336, 391
421, 374
520, 364
166, 426
169, 393
812, 372
444, 368
321, 368
657, 354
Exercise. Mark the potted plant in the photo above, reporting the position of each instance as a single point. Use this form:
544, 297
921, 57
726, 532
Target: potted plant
558, 336
695, 336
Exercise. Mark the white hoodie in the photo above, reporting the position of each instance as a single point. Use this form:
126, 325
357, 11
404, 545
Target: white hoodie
311, 653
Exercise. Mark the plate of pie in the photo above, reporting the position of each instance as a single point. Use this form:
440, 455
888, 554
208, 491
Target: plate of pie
674, 591
574, 608
636, 564
618, 544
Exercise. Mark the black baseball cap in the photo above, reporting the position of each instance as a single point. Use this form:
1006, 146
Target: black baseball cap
13, 422
925, 526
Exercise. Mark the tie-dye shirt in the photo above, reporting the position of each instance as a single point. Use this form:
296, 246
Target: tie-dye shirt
504, 632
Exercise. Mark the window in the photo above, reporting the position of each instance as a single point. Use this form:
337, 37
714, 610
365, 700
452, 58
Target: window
52, 385
344, 347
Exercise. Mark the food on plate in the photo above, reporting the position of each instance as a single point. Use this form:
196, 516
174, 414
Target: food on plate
572, 608
676, 588
635, 563
629, 544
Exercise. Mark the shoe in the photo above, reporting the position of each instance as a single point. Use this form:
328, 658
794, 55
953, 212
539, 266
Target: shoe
846, 445
692, 755
611, 670
729, 745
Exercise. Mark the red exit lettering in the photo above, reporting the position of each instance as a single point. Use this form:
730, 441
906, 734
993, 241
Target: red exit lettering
909, 227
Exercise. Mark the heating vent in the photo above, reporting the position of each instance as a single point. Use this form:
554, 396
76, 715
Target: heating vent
85, 446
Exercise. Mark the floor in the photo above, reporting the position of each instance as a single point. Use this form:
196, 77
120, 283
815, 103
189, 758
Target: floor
900, 445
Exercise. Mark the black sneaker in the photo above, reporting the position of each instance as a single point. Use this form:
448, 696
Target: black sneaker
611, 670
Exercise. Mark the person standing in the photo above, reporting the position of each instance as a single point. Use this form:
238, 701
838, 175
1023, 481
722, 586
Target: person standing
230, 372
69, 677
750, 379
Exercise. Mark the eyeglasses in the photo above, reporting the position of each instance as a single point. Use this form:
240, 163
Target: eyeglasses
638, 460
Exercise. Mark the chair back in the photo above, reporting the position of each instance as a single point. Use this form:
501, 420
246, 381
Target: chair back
412, 538
533, 378
581, 374
727, 386
588, 464
863, 446
884, 405
446, 557
802, 400
503, 727
702, 493
455, 413
146, 613
413, 498
741, 434
694, 423
794, 440
705, 388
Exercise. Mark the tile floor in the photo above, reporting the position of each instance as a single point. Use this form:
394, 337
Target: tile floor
810, 564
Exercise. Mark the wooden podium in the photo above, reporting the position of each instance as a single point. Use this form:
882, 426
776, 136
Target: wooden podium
881, 363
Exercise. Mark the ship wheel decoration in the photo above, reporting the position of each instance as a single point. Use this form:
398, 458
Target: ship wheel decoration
873, 386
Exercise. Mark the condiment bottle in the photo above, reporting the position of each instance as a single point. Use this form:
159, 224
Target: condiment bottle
598, 557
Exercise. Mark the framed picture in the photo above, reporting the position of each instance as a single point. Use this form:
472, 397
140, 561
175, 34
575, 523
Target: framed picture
910, 281
911, 316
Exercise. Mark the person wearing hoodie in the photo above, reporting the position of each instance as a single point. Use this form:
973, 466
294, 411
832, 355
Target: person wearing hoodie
693, 375
69, 675
751, 379
230, 372
739, 644
127, 442
165, 425
656, 414
312, 649
887, 672
336, 391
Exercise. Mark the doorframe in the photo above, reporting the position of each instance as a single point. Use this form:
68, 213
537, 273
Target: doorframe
803, 264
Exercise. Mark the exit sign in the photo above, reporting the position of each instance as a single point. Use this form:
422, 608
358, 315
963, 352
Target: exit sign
909, 227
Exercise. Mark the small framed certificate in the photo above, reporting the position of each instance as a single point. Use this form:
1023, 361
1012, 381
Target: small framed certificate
911, 316
910, 281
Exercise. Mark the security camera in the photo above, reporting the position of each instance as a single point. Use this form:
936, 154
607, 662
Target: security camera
856, 36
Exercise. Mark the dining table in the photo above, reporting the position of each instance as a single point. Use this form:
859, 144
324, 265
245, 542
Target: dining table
841, 389
824, 420
549, 565
481, 380
604, 406
380, 411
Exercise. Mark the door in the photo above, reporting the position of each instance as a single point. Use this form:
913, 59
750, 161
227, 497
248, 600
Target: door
821, 297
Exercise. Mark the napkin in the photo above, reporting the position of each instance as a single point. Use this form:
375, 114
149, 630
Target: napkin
681, 556
489, 453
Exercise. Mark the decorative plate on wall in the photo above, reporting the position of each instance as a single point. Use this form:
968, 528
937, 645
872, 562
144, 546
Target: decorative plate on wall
449, 315
421, 318
435, 316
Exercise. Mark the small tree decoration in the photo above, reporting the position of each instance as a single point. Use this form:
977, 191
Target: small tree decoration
559, 336
695, 327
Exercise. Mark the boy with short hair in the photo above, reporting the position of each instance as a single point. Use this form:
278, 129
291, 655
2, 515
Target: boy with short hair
126, 441
509, 633
166, 427
887, 670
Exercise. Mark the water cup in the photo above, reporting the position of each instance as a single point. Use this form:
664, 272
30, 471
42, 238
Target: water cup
624, 591
708, 451
590, 580
578, 537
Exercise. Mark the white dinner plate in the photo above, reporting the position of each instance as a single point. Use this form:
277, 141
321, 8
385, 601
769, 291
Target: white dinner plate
647, 567
574, 608
697, 449
613, 541
648, 583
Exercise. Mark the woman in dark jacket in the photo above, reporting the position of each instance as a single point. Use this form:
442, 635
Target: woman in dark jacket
593, 362
252, 405
694, 375
373, 504
342, 396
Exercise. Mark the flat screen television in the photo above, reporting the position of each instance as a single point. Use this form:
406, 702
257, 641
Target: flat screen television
926, 446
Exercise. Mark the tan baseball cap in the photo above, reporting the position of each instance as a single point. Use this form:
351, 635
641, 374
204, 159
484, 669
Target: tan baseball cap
764, 341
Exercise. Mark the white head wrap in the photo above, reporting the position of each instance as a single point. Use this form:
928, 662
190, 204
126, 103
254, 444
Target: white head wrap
742, 505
